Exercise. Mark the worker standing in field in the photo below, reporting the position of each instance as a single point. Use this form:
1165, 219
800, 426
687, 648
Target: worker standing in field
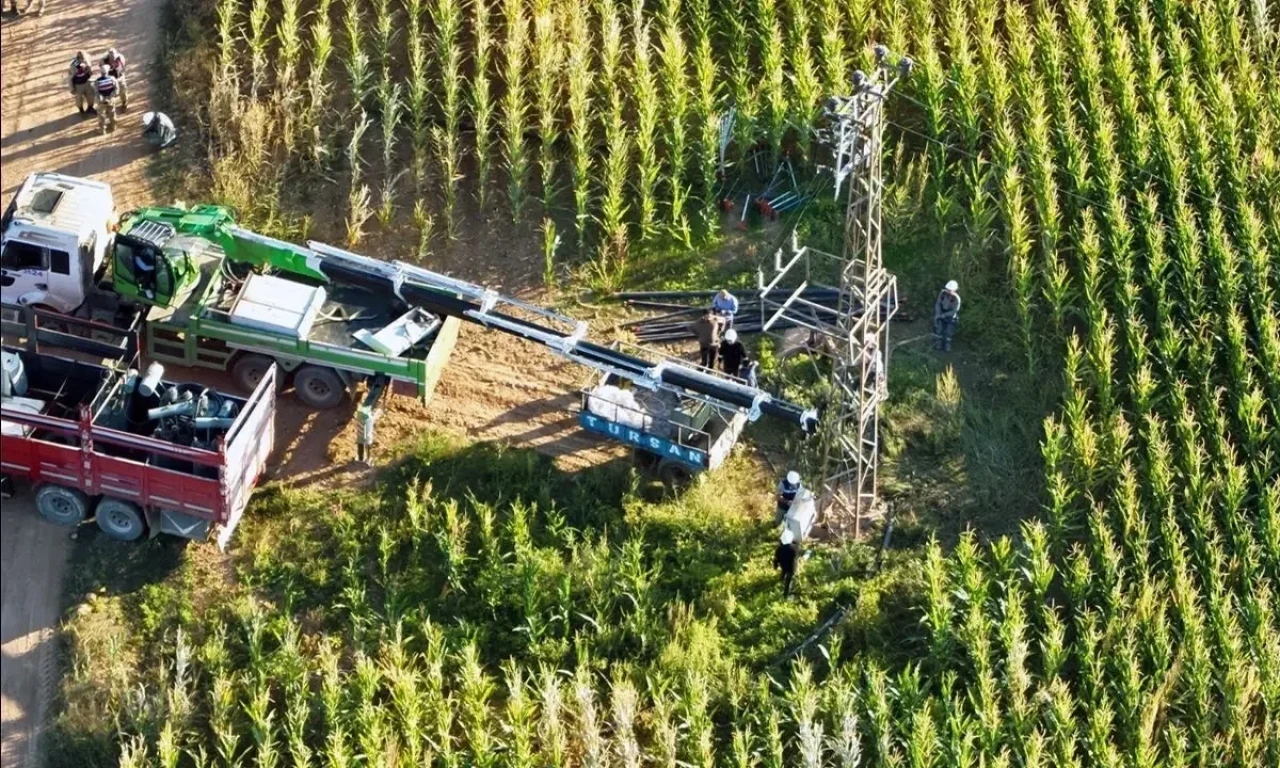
115, 63
106, 87
946, 315
732, 353
788, 489
725, 305
751, 372
707, 328
82, 83
785, 558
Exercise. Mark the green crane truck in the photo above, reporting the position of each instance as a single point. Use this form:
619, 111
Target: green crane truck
205, 293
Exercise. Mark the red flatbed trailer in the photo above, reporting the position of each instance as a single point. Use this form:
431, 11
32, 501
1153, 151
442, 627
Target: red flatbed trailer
82, 462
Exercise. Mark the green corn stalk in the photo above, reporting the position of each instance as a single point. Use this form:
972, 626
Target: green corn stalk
316, 115
356, 61
803, 697
447, 15
551, 730
514, 107
449, 159
477, 692
837, 68
288, 32
665, 731
482, 106
359, 199
674, 55
645, 89
613, 203
258, 38
391, 106
805, 77
706, 114
577, 88
594, 751
418, 91
547, 59
624, 707
520, 718
550, 244
772, 76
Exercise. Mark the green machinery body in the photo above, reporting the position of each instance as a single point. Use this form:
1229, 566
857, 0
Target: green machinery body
190, 266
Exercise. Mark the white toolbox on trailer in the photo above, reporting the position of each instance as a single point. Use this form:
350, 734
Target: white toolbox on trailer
275, 305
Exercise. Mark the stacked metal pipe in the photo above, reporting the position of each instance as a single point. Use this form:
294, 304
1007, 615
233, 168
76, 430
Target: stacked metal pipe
678, 309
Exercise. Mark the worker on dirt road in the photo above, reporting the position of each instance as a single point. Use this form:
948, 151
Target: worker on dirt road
707, 329
39, 4
946, 315
788, 489
82, 83
785, 558
725, 305
732, 353
106, 87
115, 63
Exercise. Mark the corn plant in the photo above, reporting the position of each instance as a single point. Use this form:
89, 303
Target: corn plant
514, 107
356, 59
482, 106
447, 16
257, 38
611, 258
417, 91
314, 121
359, 198
289, 34
550, 244
547, 58
676, 96
645, 89
577, 89
424, 225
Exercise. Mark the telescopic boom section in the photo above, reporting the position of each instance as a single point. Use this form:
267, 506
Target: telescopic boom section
444, 295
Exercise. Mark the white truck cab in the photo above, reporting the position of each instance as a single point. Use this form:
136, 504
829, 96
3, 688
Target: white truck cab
56, 236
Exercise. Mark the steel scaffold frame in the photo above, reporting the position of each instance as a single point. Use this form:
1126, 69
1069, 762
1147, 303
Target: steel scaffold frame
855, 335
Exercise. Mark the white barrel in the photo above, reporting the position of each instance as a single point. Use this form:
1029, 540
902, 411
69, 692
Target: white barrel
13, 379
151, 380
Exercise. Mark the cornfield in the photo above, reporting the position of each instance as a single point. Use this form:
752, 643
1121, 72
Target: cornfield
1119, 162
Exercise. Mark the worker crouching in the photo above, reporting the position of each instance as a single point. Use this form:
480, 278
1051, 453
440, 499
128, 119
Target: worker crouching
158, 129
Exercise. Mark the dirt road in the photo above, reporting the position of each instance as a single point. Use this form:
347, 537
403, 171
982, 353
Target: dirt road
40, 130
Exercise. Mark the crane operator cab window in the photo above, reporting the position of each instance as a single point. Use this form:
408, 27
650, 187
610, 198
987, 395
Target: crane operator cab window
138, 263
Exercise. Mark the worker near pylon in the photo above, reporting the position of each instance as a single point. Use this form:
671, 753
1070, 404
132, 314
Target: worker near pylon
873, 360
82, 83
785, 558
732, 353
946, 315
751, 372
106, 88
725, 305
788, 489
707, 329
115, 62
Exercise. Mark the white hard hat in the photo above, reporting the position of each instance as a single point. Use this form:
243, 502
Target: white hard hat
147, 117
952, 285
730, 335
103, 68
112, 52
793, 477
788, 536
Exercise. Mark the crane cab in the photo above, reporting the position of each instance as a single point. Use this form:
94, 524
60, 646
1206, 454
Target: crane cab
56, 234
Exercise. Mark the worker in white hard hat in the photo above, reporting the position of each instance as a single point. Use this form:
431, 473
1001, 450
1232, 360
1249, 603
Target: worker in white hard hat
787, 491
115, 62
732, 353
785, 558
946, 315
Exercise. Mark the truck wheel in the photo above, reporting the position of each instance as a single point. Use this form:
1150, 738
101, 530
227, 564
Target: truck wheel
62, 505
319, 388
249, 370
674, 475
121, 520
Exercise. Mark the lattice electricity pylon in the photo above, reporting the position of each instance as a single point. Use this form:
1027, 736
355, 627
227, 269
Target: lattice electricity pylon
846, 302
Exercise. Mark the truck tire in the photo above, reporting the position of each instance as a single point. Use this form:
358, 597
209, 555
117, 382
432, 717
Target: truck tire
121, 520
61, 505
674, 475
248, 371
319, 388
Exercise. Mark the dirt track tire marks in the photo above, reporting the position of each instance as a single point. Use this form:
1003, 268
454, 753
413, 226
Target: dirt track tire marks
43, 132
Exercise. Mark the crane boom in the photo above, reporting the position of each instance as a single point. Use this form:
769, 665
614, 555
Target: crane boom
444, 295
